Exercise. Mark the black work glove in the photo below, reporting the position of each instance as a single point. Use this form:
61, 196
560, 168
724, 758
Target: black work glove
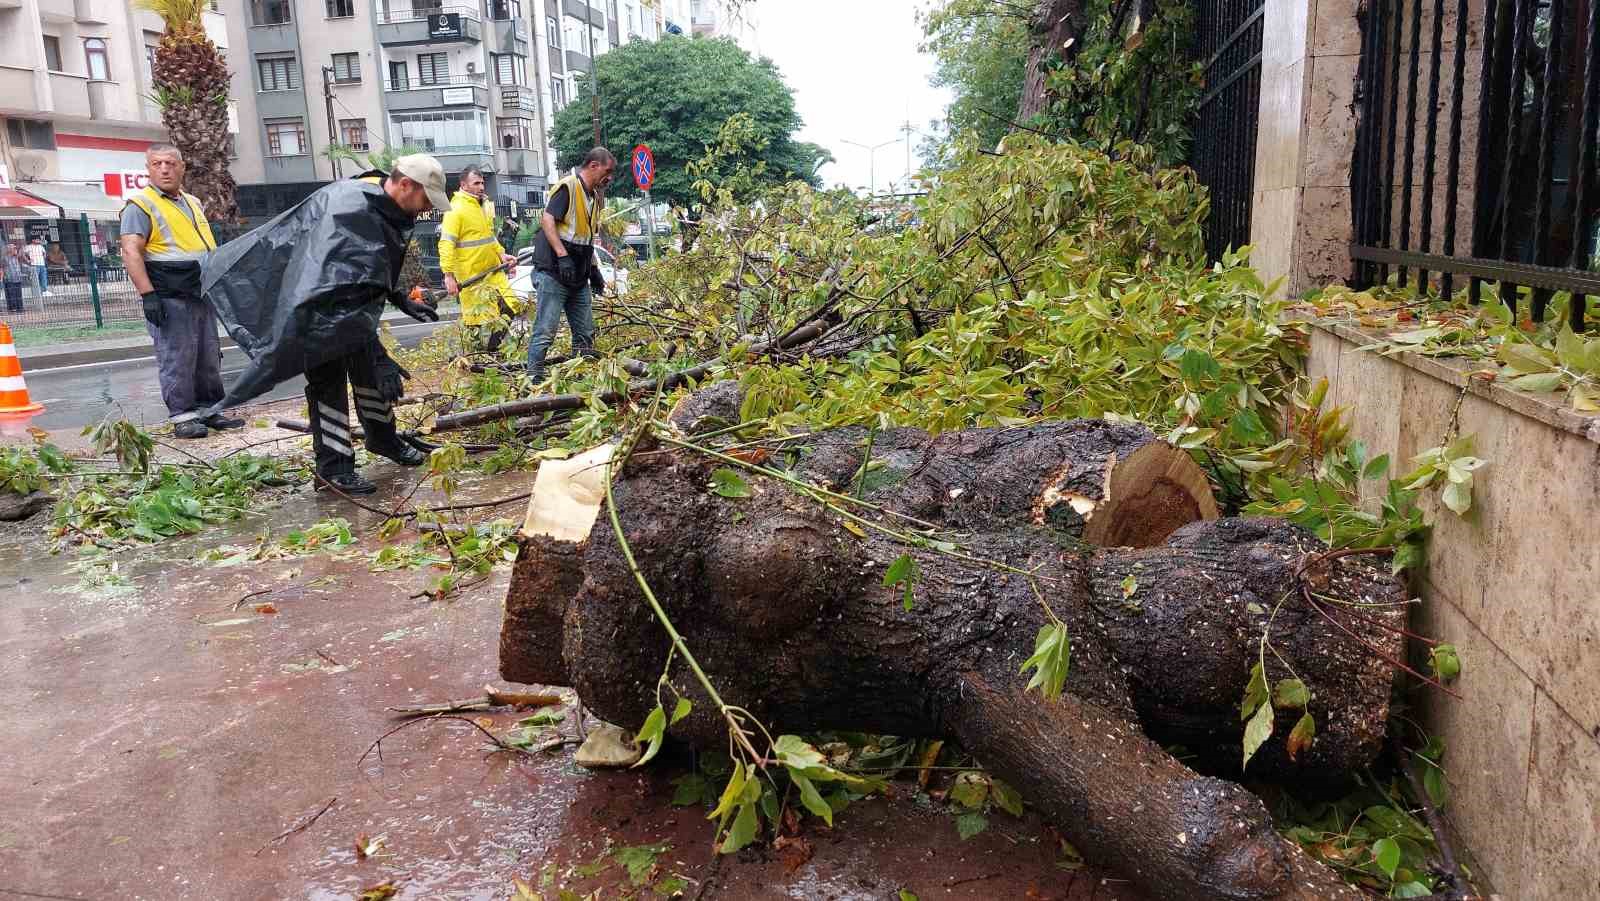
596, 280
154, 312
416, 309
389, 375
567, 271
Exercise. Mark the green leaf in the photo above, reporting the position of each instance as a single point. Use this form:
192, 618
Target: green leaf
728, 483
1301, 736
1196, 365
970, 791
907, 895
1257, 731
1458, 497
1434, 784
692, 788
732, 792
1376, 468
970, 824
743, 830
680, 711
653, 731
1051, 656
811, 798
1255, 693
1387, 855
1412, 889
1445, 662
1129, 585
1538, 382
671, 887
1005, 797
1247, 428
639, 860
903, 571
1291, 693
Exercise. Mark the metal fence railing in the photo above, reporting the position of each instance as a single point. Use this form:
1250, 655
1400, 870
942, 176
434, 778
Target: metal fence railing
1510, 209
86, 286
1223, 154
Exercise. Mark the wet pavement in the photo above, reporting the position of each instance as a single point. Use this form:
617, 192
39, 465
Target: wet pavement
77, 395
158, 742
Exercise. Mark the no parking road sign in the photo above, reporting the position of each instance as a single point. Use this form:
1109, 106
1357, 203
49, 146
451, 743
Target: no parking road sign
644, 167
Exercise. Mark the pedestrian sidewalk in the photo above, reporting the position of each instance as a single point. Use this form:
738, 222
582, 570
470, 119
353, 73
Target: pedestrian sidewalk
136, 346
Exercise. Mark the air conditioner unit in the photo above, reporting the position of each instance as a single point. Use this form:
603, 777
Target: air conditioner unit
472, 68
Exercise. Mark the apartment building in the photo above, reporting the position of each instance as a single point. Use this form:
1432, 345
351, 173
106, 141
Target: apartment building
75, 80
458, 78
722, 19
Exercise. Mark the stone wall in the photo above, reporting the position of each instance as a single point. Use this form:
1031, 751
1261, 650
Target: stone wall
1516, 586
1302, 219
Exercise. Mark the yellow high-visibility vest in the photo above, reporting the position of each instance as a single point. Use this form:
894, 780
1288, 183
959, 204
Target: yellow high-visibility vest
179, 232
578, 225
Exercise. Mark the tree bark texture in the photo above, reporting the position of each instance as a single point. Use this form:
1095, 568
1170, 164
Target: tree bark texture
1054, 24
787, 612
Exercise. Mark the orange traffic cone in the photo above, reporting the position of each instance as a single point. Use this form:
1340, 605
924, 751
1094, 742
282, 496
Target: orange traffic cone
13, 390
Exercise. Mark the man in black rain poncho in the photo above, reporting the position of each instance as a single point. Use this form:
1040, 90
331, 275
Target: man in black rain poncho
304, 293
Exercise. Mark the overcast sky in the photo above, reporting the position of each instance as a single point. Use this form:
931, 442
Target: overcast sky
857, 76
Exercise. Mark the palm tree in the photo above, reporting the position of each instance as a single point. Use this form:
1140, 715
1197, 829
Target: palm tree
191, 88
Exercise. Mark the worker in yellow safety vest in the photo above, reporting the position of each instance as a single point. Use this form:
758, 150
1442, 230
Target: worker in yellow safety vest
468, 247
165, 237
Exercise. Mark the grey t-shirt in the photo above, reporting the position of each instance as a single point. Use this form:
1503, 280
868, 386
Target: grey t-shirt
135, 221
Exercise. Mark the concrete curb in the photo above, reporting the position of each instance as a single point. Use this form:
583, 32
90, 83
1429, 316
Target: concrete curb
55, 356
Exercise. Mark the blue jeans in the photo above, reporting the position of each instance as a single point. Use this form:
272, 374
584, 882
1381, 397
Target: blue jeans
554, 298
42, 277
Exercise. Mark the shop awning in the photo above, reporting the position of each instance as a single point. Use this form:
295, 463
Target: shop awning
16, 205
76, 198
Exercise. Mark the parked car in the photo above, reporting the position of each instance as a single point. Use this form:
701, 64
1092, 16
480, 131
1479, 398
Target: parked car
616, 278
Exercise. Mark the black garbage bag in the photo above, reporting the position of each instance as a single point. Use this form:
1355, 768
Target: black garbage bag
309, 286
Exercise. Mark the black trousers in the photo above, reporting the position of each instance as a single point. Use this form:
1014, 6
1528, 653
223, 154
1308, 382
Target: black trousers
328, 390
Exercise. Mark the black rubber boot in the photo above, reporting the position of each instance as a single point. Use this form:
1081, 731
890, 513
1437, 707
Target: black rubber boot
345, 483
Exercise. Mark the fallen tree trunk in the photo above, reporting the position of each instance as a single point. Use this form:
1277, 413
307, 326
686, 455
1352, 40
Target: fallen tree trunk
787, 612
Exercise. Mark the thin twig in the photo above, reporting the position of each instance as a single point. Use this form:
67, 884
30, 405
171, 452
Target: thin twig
1452, 870
300, 828
432, 719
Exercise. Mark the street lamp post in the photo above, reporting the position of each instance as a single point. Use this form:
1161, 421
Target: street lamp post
872, 160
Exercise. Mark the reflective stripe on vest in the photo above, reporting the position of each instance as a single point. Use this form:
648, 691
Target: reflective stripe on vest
475, 242
575, 227
176, 238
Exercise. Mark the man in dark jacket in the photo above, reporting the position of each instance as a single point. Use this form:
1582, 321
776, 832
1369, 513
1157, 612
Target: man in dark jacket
564, 260
305, 292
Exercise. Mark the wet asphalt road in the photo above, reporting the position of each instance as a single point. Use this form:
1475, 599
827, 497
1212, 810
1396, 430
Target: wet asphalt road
75, 396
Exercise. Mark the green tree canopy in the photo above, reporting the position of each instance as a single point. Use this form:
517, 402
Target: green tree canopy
981, 49
675, 94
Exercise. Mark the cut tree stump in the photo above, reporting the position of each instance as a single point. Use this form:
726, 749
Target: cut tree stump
786, 610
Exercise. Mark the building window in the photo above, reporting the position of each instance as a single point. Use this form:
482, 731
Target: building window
433, 68
508, 69
353, 133
399, 80
286, 137
572, 36
558, 92
270, 12
278, 73
94, 53
552, 31
31, 133
52, 53
507, 9
347, 68
515, 134
341, 9
443, 132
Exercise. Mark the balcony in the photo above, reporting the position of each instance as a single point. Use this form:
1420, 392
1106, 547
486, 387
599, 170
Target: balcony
521, 161
449, 24
70, 95
454, 158
16, 85
459, 90
577, 62
507, 32
91, 12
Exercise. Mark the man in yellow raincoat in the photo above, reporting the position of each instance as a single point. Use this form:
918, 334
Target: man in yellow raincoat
468, 247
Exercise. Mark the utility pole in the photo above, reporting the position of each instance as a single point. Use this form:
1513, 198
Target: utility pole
908, 131
594, 71
333, 135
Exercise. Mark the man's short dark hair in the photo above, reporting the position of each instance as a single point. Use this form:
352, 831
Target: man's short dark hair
598, 155
473, 169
